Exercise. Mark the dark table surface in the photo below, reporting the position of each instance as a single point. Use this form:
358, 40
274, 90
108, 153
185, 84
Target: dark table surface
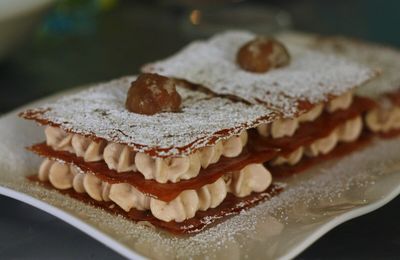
73, 48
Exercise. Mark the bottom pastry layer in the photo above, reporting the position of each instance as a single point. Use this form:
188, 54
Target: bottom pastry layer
231, 206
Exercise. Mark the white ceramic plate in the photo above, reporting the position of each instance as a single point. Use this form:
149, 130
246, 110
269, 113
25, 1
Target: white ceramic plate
313, 203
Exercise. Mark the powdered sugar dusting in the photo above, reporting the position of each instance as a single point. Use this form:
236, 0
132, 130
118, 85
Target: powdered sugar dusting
271, 230
100, 111
311, 76
384, 58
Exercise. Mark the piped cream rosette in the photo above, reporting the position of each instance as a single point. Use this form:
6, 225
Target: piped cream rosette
252, 178
122, 158
384, 118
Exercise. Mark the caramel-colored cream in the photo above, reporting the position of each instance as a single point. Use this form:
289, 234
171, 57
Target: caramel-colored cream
341, 102
252, 178
122, 158
291, 159
287, 127
383, 119
349, 131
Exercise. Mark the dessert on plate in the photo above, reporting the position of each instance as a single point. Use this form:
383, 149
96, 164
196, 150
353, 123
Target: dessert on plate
385, 90
208, 132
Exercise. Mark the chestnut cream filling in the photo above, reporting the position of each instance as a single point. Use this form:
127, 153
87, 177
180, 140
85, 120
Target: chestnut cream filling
252, 178
346, 132
384, 118
287, 127
123, 159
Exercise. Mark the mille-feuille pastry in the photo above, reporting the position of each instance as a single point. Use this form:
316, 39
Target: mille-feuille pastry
195, 138
385, 90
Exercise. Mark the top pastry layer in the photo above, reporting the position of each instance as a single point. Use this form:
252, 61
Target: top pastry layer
100, 112
311, 77
387, 59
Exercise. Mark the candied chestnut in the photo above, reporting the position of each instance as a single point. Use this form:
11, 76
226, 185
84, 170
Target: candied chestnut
152, 93
262, 54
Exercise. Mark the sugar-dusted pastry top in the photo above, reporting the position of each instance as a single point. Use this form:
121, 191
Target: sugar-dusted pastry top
311, 76
386, 59
100, 112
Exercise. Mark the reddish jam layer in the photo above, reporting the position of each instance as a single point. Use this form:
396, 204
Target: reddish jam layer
229, 207
258, 150
390, 134
394, 97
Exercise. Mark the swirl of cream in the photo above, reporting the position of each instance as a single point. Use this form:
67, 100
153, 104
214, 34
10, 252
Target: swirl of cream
60, 176
80, 144
182, 207
312, 114
376, 119
210, 154
58, 139
284, 127
63, 176
44, 169
253, 177
395, 118
341, 102
159, 169
279, 128
128, 197
119, 157
77, 183
96, 188
90, 150
193, 171
350, 130
189, 202
211, 195
291, 159
323, 145
233, 146
383, 119
264, 129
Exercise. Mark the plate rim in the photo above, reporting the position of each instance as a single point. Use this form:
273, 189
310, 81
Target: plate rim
81, 225
125, 251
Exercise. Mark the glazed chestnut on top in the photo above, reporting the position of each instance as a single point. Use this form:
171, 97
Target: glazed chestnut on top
152, 93
262, 54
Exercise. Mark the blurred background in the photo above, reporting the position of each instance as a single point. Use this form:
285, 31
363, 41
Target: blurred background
51, 45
